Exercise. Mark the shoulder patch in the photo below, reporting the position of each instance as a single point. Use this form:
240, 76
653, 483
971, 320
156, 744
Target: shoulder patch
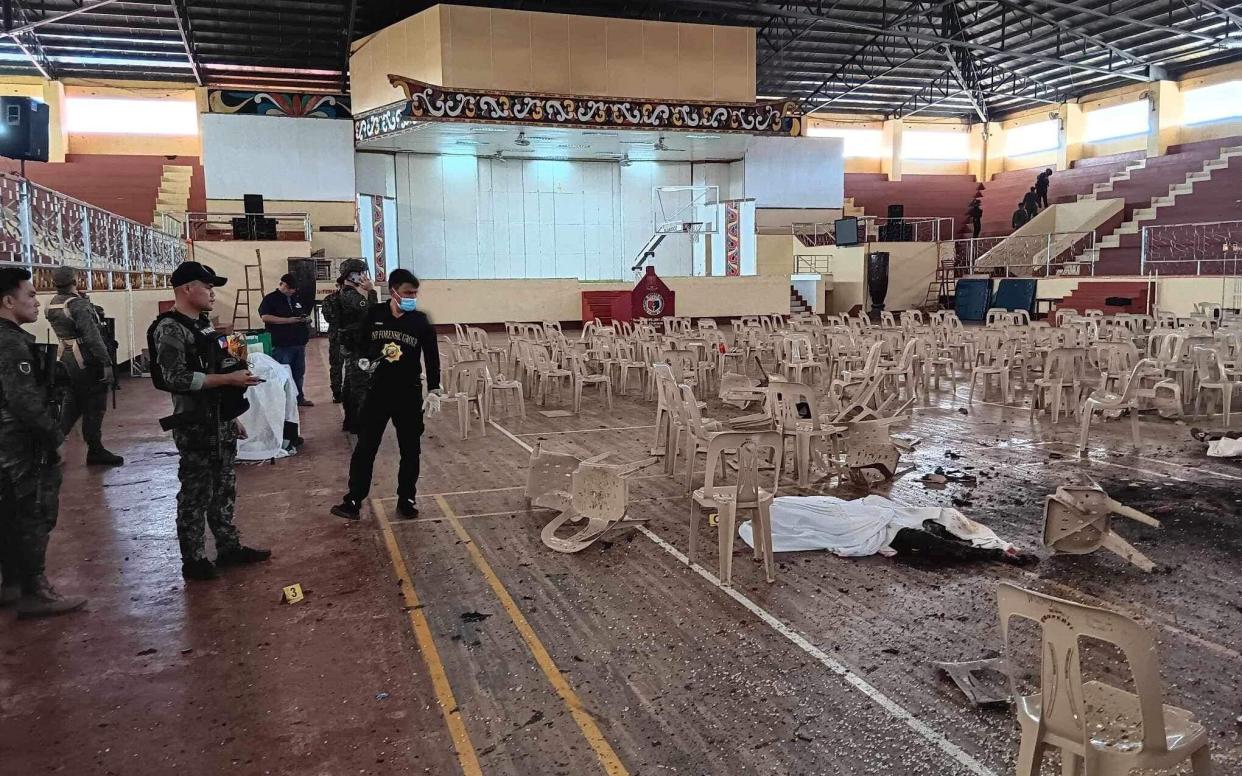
363, 303
24, 367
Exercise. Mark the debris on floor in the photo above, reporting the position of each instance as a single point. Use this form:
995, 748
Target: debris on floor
984, 682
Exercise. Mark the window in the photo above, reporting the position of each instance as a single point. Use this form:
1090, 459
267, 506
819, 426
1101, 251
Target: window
938, 146
92, 115
1212, 103
858, 142
1033, 138
1132, 118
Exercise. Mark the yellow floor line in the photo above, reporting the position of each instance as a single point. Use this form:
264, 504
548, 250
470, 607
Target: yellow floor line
608, 759
466, 755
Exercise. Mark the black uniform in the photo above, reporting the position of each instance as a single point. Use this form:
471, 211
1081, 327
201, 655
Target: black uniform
352, 309
1019, 218
1041, 188
975, 214
395, 393
1031, 203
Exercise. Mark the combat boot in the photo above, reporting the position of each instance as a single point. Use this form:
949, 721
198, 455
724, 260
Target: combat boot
9, 594
199, 570
349, 509
239, 556
99, 456
42, 600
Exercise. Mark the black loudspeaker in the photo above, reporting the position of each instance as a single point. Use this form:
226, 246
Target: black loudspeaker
253, 204
877, 280
254, 228
23, 128
303, 271
896, 212
846, 230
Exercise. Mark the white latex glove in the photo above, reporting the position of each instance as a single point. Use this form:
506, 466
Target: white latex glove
431, 404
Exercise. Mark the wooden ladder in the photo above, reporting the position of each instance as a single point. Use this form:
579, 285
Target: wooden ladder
242, 300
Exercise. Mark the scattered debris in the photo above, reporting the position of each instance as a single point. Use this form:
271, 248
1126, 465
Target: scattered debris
381, 696
474, 616
985, 682
146, 652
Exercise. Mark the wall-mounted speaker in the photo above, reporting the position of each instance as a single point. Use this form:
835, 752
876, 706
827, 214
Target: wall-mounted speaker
23, 128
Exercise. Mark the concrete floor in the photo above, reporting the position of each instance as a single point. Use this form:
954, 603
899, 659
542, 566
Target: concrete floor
459, 643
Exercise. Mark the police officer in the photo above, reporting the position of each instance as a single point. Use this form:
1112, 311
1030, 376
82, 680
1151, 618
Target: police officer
391, 339
29, 470
88, 362
332, 313
357, 295
208, 389
1042, 181
974, 212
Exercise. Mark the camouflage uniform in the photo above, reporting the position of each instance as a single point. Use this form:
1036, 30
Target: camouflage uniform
208, 446
352, 309
88, 362
29, 471
332, 314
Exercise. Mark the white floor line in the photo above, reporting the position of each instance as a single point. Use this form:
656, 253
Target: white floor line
586, 430
509, 434
862, 685
853, 679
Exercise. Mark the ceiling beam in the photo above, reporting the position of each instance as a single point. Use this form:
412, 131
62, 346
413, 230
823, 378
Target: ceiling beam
1228, 14
57, 17
351, 16
1072, 30
1122, 18
187, 39
835, 74
848, 24
24, 38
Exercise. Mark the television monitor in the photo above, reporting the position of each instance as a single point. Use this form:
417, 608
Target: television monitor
846, 230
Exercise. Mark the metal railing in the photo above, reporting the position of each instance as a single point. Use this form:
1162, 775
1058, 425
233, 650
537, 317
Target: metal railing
1027, 255
812, 264
1204, 248
219, 226
873, 229
41, 229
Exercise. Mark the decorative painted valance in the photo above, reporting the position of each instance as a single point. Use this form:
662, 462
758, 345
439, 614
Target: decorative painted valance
288, 104
428, 102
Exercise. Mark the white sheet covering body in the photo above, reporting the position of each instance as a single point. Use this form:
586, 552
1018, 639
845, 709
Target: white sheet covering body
272, 403
1225, 448
860, 527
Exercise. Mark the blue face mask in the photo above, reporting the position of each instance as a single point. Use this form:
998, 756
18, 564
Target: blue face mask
407, 305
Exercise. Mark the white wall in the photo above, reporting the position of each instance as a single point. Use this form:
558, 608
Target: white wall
795, 172
462, 217
280, 158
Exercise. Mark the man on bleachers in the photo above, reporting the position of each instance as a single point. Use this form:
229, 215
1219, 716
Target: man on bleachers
1020, 217
1030, 203
1041, 187
975, 213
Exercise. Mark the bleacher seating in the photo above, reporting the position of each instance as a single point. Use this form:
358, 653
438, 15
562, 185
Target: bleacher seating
1003, 193
924, 196
125, 185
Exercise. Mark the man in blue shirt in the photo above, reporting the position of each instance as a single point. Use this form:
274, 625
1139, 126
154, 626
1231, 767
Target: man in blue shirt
285, 318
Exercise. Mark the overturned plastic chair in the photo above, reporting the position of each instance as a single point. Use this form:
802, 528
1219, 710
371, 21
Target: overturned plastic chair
600, 497
1078, 520
1100, 729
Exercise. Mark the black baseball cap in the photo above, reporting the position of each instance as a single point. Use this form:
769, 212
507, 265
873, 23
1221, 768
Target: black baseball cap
189, 271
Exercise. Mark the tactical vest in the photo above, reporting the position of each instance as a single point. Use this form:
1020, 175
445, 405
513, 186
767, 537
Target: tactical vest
209, 356
66, 330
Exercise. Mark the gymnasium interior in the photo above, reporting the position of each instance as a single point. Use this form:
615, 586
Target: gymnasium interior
829, 387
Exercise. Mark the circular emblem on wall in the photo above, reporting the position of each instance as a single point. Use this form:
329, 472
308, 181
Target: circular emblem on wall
653, 305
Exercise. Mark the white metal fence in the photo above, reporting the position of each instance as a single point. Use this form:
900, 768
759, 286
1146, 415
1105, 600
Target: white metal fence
41, 229
872, 229
1023, 255
1205, 248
